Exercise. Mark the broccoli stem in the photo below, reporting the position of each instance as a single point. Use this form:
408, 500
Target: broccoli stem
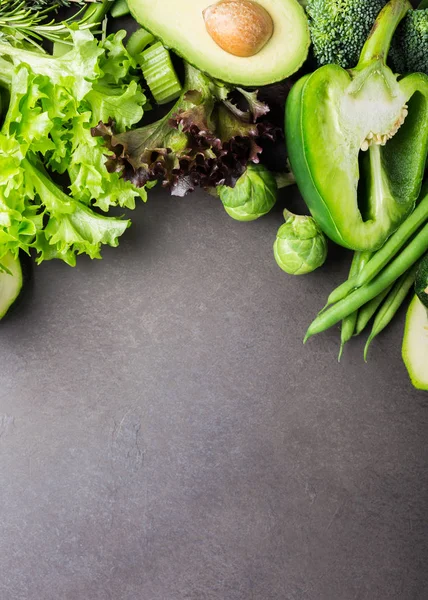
377, 45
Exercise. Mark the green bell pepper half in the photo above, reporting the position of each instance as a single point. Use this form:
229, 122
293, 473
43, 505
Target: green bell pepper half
357, 141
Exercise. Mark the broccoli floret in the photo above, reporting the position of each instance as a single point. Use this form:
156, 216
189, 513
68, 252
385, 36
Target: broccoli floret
411, 43
339, 28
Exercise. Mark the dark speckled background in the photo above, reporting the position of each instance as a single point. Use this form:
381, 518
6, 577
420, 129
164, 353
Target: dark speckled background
164, 434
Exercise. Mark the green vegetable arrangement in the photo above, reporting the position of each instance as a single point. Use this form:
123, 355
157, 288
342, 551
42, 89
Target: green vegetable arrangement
366, 199
69, 117
366, 131
73, 144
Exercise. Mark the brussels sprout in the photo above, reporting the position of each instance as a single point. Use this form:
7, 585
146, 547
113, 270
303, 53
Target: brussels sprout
253, 195
300, 246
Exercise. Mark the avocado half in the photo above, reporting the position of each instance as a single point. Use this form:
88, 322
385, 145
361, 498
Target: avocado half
180, 25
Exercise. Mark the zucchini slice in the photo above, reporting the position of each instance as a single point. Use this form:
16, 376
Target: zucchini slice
421, 281
11, 281
415, 344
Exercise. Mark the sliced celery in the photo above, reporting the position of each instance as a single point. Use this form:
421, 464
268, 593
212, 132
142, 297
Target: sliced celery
159, 73
119, 9
138, 41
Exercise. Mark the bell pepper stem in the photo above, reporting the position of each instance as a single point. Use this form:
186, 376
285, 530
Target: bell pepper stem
378, 43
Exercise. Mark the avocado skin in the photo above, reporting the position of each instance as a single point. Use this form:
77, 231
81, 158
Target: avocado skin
421, 281
305, 44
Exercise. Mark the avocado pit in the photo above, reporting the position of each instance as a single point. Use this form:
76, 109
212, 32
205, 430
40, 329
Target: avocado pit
240, 27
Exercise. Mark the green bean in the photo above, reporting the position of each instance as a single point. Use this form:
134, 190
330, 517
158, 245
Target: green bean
347, 331
385, 254
343, 290
138, 41
348, 324
393, 301
395, 242
348, 286
368, 310
411, 253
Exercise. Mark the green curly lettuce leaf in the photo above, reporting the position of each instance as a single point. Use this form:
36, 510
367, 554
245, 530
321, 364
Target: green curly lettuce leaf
47, 129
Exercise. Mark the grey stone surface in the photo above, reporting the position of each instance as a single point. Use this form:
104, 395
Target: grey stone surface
164, 434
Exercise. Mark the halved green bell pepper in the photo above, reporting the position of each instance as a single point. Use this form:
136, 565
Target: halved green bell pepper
357, 141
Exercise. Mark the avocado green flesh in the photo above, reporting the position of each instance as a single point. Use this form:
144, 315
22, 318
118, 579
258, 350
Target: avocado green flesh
415, 344
10, 284
181, 27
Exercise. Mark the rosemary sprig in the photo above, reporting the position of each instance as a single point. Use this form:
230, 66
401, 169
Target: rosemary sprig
33, 22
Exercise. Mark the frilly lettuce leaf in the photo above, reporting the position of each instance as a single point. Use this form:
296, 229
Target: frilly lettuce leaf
72, 228
54, 102
74, 71
125, 103
116, 62
204, 141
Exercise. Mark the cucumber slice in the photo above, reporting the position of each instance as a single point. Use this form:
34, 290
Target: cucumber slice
11, 281
415, 344
159, 73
